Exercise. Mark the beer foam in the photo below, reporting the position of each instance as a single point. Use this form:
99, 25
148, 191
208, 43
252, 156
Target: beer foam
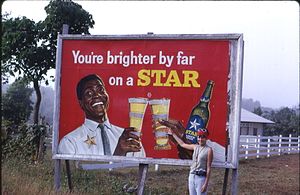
138, 100
159, 101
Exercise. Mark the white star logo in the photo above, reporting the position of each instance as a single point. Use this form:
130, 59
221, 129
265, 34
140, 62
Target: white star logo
194, 124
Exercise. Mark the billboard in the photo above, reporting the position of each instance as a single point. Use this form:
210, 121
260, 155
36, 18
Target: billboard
105, 85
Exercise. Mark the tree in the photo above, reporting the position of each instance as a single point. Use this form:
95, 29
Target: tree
250, 104
258, 111
22, 54
28, 48
16, 103
286, 122
61, 12
18, 139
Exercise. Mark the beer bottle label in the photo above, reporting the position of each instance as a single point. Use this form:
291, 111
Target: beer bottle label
191, 132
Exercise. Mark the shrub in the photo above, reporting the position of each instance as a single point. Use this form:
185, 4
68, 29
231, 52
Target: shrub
22, 142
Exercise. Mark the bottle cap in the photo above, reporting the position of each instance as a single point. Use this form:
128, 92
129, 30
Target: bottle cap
211, 82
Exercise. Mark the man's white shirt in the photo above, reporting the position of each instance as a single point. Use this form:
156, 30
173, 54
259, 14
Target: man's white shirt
76, 142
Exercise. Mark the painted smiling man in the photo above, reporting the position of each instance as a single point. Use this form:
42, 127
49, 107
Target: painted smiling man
97, 136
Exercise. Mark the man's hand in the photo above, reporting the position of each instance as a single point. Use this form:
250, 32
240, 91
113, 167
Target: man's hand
178, 129
175, 125
128, 142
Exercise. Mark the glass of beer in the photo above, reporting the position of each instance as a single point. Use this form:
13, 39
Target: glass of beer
160, 110
137, 108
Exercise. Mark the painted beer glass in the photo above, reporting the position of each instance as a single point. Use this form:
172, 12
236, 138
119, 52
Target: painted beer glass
160, 110
137, 108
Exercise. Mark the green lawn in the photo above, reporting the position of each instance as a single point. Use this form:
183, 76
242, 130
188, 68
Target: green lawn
275, 175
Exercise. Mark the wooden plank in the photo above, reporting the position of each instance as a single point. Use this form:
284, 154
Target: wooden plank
266, 153
234, 183
264, 143
56, 113
65, 29
69, 175
157, 36
235, 86
162, 161
57, 176
107, 166
143, 169
265, 137
225, 181
265, 148
57, 162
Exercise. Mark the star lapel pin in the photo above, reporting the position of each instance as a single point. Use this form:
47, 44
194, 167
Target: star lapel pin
90, 141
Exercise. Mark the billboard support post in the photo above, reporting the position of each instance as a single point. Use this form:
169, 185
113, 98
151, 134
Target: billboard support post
65, 30
69, 175
57, 162
57, 176
234, 184
225, 181
143, 170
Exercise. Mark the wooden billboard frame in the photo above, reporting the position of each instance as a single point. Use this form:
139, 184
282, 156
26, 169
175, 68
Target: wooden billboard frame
234, 91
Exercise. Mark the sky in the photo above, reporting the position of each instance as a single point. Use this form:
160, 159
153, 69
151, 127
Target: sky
270, 31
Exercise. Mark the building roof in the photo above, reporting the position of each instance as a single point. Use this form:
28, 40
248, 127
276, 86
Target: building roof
247, 116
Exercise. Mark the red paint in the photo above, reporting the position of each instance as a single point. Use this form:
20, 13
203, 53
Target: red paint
211, 62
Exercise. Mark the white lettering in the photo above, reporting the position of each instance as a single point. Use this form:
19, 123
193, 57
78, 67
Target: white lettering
129, 81
127, 60
184, 60
91, 58
115, 81
167, 60
75, 55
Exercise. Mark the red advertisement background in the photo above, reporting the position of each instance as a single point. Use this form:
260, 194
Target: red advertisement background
211, 62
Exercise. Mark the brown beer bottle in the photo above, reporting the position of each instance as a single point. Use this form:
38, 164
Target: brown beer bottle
200, 114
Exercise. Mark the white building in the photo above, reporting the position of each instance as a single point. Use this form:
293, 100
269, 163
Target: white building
252, 124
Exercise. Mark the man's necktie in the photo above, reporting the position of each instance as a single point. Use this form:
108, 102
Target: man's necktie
105, 141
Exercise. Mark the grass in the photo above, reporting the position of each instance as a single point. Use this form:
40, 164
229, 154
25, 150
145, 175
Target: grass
274, 175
